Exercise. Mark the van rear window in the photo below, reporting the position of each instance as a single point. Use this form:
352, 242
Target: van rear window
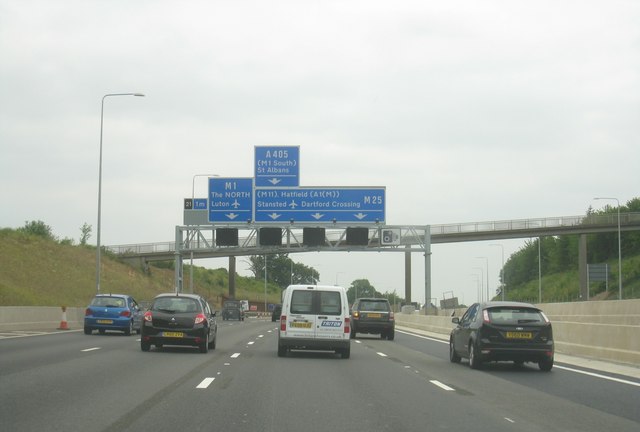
316, 302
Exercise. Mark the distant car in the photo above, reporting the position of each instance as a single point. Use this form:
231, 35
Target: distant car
118, 312
232, 309
502, 331
373, 316
179, 319
275, 314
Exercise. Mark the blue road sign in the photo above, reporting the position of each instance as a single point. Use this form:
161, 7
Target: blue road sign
230, 200
200, 204
321, 205
277, 166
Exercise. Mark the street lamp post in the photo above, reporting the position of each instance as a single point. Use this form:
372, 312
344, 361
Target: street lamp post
504, 284
487, 264
100, 184
619, 246
481, 282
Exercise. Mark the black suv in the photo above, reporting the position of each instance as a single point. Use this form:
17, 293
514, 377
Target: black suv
232, 309
372, 315
179, 319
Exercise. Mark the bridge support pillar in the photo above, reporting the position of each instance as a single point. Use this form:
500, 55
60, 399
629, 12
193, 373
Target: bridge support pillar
232, 277
582, 267
407, 275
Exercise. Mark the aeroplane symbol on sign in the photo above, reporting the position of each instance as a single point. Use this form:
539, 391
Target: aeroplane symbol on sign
235, 204
293, 204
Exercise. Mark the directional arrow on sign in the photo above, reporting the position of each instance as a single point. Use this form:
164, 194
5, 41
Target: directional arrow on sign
274, 181
232, 216
274, 216
360, 215
317, 215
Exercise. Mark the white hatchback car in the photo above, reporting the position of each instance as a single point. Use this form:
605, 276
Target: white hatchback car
315, 317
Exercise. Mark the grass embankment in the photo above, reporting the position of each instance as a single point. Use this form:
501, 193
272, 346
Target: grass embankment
35, 271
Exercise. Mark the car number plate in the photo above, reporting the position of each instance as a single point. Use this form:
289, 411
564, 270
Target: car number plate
300, 324
374, 315
519, 335
104, 321
173, 334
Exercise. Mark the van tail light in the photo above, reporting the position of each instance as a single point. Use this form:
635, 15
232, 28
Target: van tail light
485, 316
200, 318
391, 316
347, 325
125, 313
147, 316
283, 323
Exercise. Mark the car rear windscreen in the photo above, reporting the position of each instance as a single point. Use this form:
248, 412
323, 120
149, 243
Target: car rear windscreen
511, 315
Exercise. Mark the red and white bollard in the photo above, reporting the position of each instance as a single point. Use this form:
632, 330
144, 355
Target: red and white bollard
63, 322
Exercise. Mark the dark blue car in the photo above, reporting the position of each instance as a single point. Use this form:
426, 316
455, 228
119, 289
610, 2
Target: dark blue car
118, 312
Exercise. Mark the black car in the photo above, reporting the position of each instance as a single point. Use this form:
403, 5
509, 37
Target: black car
502, 331
275, 314
179, 319
232, 309
374, 316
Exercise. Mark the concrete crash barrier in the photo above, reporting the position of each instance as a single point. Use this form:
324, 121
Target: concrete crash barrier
604, 330
39, 318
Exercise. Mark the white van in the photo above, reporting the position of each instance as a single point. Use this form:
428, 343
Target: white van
315, 317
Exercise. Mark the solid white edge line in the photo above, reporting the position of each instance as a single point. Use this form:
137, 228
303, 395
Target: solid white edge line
556, 366
442, 386
205, 383
596, 375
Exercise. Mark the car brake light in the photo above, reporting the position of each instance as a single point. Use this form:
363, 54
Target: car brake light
485, 316
347, 325
283, 323
147, 316
200, 318
125, 313
87, 312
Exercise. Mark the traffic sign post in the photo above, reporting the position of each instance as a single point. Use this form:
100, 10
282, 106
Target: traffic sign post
321, 205
230, 200
277, 166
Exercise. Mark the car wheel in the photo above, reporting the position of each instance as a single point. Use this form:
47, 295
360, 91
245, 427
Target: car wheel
145, 346
204, 346
546, 364
129, 330
88, 330
453, 355
474, 361
353, 334
345, 353
138, 331
391, 335
282, 350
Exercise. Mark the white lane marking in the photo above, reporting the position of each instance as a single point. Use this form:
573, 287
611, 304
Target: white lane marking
596, 375
250, 343
442, 386
424, 337
235, 355
90, 349
509, 420
381, 354
205, 383
357, 341
260, 336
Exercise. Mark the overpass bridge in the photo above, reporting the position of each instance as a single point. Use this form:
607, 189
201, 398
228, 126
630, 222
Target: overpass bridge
199, 241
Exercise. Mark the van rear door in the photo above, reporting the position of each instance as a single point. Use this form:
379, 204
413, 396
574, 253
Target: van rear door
301, 322
329, 319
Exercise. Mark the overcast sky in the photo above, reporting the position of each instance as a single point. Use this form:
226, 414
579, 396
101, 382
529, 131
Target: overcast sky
464, 110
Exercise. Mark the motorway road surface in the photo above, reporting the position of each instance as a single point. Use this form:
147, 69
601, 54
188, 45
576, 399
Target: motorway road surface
68, 381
